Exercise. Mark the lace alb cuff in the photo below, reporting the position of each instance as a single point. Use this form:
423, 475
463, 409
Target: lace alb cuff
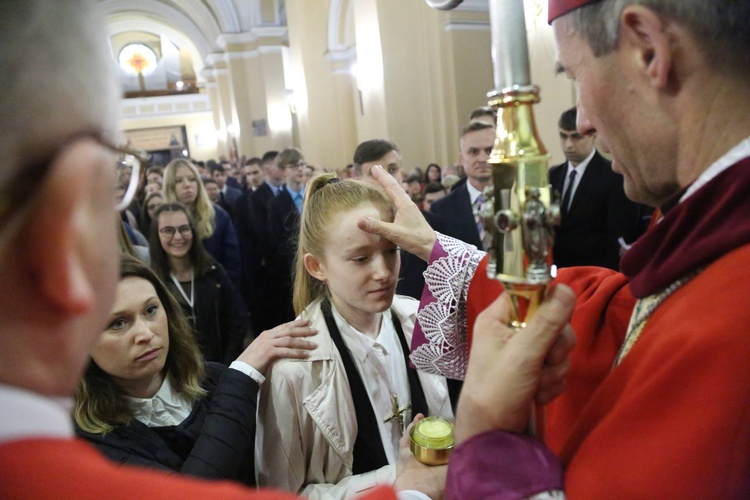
440, 343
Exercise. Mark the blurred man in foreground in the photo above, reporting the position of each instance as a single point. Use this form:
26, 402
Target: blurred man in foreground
58, 253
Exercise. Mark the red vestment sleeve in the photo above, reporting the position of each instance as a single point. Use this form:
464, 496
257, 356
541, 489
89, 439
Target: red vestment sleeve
72, 469
600, 320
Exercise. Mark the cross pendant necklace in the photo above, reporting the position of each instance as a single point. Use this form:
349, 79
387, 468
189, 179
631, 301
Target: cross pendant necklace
397, 413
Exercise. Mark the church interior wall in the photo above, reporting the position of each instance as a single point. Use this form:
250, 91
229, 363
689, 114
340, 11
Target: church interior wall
419, 74
199, 127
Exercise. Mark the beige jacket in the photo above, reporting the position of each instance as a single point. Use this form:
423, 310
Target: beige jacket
306, 422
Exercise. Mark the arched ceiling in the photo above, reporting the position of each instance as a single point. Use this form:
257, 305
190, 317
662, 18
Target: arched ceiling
193, 24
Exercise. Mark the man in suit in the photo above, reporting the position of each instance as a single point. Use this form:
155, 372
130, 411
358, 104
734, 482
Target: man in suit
214, 194
457, 208
595, 211
229, 195
251, 221
252, 174
283, 222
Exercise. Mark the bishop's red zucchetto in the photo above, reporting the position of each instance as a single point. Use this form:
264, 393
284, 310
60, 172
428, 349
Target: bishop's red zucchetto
558, 8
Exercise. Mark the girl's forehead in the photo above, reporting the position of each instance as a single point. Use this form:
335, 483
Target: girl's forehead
171, 216
350, 216
342, 231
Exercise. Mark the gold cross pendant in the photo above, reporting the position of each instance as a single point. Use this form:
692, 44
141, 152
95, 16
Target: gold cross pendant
397, 413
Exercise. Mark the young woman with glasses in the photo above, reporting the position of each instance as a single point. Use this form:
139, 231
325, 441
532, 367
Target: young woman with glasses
213, 226
198, 282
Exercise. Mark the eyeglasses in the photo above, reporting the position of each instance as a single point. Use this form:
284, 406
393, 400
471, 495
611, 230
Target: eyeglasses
169, 231
132, 160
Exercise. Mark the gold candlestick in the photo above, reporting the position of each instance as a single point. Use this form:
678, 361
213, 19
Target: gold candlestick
520, 211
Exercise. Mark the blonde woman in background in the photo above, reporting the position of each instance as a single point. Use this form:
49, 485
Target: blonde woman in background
213, 226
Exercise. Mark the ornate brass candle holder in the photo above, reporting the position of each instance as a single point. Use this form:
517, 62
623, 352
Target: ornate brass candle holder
520, 210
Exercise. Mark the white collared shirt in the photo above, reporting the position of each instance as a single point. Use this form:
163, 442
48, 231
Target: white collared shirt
580, 170
473, 192
27, 415
168, 407
381, 366
737, 153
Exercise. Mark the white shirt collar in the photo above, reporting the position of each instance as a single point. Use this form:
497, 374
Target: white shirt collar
473, 192
167, 407
360, 344
581, 167
25, 414
734, 155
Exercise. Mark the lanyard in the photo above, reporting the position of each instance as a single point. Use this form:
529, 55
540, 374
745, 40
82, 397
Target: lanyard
182, 292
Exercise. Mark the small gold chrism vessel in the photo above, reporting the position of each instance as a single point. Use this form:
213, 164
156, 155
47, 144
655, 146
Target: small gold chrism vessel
431, 440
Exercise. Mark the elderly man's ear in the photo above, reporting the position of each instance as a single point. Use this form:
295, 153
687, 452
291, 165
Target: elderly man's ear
652, 41
69, 202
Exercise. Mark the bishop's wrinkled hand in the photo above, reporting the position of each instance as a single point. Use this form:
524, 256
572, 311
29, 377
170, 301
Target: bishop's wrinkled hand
510, 369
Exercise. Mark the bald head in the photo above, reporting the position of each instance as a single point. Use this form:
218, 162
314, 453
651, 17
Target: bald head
58, 246
58, 77
62, 84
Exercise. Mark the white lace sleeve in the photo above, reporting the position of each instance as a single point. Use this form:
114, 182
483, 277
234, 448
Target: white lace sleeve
442, 315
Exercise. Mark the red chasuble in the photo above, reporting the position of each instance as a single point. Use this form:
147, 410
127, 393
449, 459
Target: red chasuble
672, 420
71, 469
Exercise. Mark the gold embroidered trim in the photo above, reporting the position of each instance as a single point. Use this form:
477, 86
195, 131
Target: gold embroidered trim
643, 310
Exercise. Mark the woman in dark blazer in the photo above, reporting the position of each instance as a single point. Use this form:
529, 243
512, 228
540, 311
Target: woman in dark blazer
148, 399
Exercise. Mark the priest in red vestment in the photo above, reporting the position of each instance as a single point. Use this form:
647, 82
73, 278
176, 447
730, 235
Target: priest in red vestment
656, 405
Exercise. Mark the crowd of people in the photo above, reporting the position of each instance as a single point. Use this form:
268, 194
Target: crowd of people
157, 368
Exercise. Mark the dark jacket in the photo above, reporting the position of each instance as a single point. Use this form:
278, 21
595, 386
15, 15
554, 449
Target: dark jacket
457, 216
218, 315
263, 291
283, 228
232, 194
216, 441
250, 254
223, 245
599, 214
259, 201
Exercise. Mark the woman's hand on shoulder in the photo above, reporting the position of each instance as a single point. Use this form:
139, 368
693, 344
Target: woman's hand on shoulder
284, 341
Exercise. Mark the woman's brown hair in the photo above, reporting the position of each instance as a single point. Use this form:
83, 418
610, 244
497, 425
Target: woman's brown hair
100, 404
